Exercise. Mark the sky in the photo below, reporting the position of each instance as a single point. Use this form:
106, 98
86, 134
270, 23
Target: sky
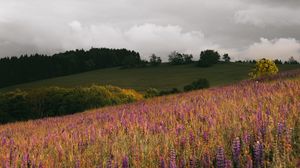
246, 29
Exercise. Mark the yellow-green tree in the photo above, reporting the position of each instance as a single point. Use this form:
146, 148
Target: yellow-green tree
264, 67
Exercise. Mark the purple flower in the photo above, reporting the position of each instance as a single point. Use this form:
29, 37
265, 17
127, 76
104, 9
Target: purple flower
162, 163
206, 161
246, 139
109, 162
26, 161
258, 154
172, 158
263, 130
220, 158
182, 142
192, 138
77, 164
125, 163
192, 163
228, 164
182, 163
280, 128
236, 151
205, 136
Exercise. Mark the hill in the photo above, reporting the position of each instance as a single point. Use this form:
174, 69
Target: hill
250, 124
161, 77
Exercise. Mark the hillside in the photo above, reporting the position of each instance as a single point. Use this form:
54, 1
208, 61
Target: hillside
251, 124
161, 77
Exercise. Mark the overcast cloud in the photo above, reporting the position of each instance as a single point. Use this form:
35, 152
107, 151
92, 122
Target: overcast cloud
246, 29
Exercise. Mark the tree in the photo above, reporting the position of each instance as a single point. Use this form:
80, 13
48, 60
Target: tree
226, 58
155, 60
264, 67
175, 58
292, 61
277, 61
208, 58
187, 58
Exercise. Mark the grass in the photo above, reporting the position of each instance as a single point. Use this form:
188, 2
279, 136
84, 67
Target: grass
162, 77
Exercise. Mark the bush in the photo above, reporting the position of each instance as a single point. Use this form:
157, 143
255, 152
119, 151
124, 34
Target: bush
154, 60
55, 101
264, 68
151, 92
208, 58
167, 92
199, 84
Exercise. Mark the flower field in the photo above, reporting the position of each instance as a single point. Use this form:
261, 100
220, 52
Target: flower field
251, 124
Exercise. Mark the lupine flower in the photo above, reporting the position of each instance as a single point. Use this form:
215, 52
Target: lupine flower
205, 136
182, 163
77, 164
182, 142
246, 139
280, 128
125, 163
258, 154
26, 161
172, 158
162, 163
263, 130
192, 162
192, 138
40, 165
220, 158
236, 151
206, 161
109, 162
228, 164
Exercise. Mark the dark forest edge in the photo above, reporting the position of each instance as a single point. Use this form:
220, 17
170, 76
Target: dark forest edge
16, 70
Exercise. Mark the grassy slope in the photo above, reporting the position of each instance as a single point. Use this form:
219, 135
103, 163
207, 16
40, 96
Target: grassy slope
168, 129
162, 77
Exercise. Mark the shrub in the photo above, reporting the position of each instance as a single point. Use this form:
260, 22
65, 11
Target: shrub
55, 101
151, 92
263, 68
167, 92
208, 58
199, 84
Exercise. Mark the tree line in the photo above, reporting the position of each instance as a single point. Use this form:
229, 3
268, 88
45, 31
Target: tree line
207, 58
27, 68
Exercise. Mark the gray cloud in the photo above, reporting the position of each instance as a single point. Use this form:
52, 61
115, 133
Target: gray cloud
157, 26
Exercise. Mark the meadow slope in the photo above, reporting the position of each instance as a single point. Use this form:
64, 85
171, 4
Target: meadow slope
247, 124
163, 77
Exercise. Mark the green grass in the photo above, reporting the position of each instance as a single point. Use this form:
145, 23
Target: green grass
161, 77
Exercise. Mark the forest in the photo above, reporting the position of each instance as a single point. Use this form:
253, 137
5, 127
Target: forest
27, 68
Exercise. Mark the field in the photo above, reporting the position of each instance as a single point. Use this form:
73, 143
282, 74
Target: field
250, 124
162, 77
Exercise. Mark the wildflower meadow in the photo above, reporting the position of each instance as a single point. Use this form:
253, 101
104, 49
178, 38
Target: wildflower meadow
249, 124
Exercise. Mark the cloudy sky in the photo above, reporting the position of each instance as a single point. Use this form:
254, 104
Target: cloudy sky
246, 29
